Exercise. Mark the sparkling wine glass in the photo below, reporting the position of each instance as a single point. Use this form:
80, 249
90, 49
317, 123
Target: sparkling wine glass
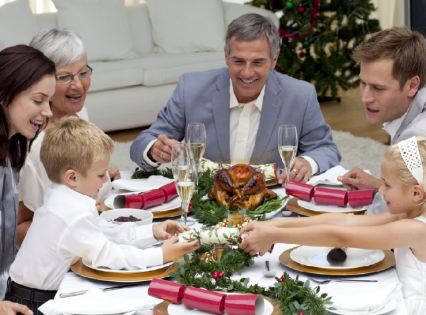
184, 176
196, 140
287, 146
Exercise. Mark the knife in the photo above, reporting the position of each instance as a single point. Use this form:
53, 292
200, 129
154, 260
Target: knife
69, 294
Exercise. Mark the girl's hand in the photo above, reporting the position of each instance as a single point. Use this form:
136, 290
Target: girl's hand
172, 250
259, 240
10, 308
166, 229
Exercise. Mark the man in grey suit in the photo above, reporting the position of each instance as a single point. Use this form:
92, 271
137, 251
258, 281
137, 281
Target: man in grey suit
242, 107
392, 79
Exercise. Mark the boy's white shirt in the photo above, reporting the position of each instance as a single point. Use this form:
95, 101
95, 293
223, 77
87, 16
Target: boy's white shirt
68, 227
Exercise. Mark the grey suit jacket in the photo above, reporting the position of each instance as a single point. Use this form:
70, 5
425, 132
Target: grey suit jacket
204, 97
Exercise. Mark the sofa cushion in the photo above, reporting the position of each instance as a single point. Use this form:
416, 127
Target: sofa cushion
187, 25
102, 24
140, 27
17, 23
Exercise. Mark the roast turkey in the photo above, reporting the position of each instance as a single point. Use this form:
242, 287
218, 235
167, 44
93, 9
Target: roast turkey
240, 186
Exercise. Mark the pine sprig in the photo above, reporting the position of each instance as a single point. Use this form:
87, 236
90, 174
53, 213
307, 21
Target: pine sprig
295, 296
139, 173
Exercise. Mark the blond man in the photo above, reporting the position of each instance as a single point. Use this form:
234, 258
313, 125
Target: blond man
76, 155
392, 79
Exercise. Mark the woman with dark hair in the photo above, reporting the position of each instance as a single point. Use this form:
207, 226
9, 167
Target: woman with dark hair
27, 82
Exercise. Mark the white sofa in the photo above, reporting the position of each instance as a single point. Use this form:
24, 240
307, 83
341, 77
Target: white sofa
129, 93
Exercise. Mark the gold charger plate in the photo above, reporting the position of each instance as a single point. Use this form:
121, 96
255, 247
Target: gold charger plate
384, 264
86, 272
161, 309
272, 182
157, 214
293, 206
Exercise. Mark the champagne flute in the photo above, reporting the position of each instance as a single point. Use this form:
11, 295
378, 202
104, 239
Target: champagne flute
184, 175
287, 146
196, 140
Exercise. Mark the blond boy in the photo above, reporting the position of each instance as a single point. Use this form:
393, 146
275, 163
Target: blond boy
76, 155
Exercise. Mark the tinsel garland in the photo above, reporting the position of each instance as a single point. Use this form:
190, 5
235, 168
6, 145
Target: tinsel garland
294, 295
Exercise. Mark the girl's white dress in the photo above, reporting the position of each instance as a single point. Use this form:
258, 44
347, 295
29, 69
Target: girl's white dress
412, 274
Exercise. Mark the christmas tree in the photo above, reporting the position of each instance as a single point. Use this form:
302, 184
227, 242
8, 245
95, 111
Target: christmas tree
318, 37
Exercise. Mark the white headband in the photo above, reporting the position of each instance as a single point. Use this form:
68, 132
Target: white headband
411, 156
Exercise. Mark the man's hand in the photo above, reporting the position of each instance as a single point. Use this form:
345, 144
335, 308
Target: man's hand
357, 179
259, 240
172, 250
114, 173
161, 150
166, 229
300, 172
10, 308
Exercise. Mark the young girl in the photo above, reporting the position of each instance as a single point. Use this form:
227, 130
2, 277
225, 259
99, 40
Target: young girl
27, 82
403, 227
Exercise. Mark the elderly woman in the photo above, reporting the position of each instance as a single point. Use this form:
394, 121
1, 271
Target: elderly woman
27, 83
65, 48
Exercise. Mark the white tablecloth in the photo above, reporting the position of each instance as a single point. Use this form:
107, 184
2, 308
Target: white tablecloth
73, 282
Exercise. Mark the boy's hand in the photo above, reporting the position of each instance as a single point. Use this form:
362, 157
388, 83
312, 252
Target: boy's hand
98, 204
10, 308
172, 250
259, 240
166, 229
114, 173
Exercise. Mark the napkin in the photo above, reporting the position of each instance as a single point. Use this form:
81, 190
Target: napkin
141, 185
369, 303
330, 176
93, 302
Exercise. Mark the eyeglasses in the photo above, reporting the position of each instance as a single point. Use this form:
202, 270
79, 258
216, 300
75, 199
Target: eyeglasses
67, 78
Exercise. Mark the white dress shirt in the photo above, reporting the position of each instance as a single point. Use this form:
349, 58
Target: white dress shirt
68, 227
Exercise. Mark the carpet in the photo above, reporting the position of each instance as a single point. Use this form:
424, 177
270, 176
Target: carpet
364, 153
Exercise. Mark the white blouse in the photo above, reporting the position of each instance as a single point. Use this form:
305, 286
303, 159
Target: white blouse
68, 227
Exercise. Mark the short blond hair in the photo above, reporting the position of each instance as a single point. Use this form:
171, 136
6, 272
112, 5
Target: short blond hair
401, 172
73, 143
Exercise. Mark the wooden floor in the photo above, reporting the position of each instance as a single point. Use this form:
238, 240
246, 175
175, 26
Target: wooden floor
347, 115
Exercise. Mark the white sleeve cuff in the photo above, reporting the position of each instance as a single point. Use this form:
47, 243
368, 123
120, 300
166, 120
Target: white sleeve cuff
311, 161
146, 159
153, 256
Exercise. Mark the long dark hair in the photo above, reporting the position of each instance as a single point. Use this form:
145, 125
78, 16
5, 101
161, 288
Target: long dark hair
21, 66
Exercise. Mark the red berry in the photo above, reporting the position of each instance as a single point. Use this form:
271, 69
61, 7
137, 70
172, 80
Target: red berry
282, 278
300, 313
220, 274
215, 275
301, 9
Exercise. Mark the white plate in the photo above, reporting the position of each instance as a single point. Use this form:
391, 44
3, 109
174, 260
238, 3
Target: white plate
324, 208
142, 184
313, 256
87, 263
181, 309
390, 306
127, 313
172, 204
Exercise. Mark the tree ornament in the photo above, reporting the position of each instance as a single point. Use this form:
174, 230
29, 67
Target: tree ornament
306, 43
301, 9
302, 54
289, 4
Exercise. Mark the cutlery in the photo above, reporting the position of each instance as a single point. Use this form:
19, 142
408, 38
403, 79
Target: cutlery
268, 273
339, 280
69, 294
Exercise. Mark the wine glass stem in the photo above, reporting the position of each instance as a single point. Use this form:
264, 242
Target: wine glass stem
196, 165
287, 170
184, 215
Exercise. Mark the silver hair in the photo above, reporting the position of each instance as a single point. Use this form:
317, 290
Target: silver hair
62, 46
251, 27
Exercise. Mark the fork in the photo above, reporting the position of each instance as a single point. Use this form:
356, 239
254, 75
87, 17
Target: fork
339, 280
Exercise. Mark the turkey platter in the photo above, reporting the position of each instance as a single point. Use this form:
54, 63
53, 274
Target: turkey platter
240, 186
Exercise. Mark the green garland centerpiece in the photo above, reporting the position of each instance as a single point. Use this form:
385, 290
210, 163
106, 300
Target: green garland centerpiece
295, 296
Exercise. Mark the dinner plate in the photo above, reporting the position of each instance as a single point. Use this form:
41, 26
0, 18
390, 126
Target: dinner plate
87, 263
181, 309
390, 306
311, 205
172, 204
103, 313
292, 205
317, 257
142, 184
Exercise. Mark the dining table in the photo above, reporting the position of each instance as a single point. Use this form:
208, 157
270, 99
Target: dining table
73, 282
